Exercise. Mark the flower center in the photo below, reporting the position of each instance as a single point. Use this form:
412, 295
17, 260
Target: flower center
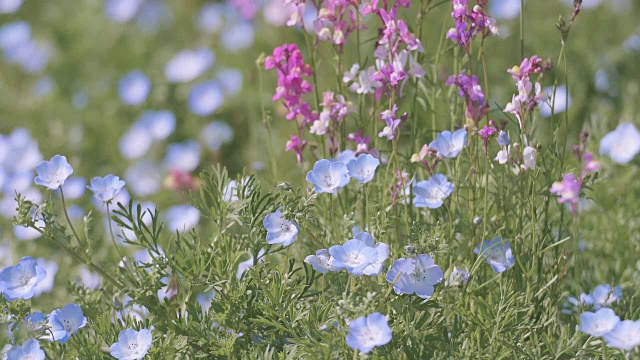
67, 325
328, 181
24, 280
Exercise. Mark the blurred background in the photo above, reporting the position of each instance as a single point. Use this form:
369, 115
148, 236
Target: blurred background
155, 91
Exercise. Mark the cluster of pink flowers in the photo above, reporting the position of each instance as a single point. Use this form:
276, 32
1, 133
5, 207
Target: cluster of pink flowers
568, 190
470, 90
470, 22
528, 95
334, 15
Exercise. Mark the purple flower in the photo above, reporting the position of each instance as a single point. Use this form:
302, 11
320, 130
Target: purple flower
498, 254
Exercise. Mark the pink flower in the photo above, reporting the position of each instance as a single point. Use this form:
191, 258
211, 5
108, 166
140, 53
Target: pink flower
568, 190
297, 146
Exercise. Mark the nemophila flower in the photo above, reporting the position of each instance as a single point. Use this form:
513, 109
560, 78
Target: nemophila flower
503, 138
184, 156
205, 299
65, 322
230, 80
529, 158
134, 88
153, 15
188, 65
625, 336
230, 191
106, 188
237, 36
29, 350
382, 254
247, 264
158, 124
51, 268
74, 187
131, 345
10, 6
144, 178
346, 156
89, 279
32, 327
53, 173
14, 34
121, 11
211, 18
621, 144
363, 168
431, 193
216, 134
280, 230
354, 255
497, 253
182, 218
415, 275
135, 143
449, 145
458, 277
20, 281
598, 323
205, 98
323, 262
328, 176
604, 295
560, 101
367, 332
504, 9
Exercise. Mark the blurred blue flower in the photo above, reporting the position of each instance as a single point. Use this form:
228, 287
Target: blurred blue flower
247, 264
121, 11
503, 138
135, 143
51, 268
80, 100
53, 173
182, 218
160, 124
144, 178
153, 15
355, 255
20, 281
25, 154
32, 56
367, 332
32, 327
30, 349
323, 262
346, 156
504, 9
328, 176
121, 197
560, 102
230, 80
131, 345
449, 145
106, 188
89, 279
14, 34
205, 299
216, 134
205, 98
184, 156
625, 336
237, 36
74, 187
621, 144
458, 277
603, 295
280, 230
65, 322
188, 65
417, 276
598, 323
431, 193
134, 88
497, 253
230, 191
363, 168
210, 19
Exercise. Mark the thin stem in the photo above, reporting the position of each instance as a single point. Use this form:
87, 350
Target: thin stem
113, 237
521, 29
66, 215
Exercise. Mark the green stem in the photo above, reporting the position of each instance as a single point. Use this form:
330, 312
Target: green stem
66, 215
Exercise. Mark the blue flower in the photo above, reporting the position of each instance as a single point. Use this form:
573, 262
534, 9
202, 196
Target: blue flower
367, 332
32, 327
417, 276
205, 98
121, 11
598, 323
10, 6
30, 349
14, 34
458, 277
135, 143
53, 173
382, 253
74, 187
188, 65
205, 299
216, 134
184, 156
144, 178
134, 88
237, 36
504, 9
159, 124
346, 156
20, 281
323, 262
182, 218
363, 168
449, 145
560, 103
47, 283
247, 264
131, 345
328, 176
210, 18
503, 138
498, 254
230, 80
105, 189
355, 255
622, 144
624, 336
280, 230
65, 322
431, 193
604, 295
